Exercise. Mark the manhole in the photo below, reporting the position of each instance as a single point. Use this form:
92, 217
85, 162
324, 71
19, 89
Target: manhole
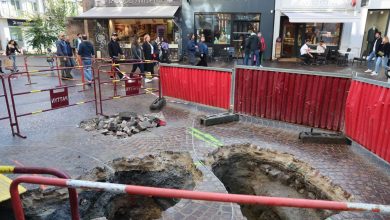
247, 169
167, 170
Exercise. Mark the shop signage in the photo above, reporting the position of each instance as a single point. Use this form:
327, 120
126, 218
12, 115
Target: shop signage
132, 86
317, 4
16, 22
129, 3
59, 99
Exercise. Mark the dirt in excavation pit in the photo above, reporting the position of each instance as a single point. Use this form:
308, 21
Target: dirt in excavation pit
167, 170
247, 169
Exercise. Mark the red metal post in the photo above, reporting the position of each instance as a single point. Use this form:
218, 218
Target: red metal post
28, 73
7, 105
60, 174
16, 124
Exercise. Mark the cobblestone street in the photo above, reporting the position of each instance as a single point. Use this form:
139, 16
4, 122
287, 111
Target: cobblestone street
54, 140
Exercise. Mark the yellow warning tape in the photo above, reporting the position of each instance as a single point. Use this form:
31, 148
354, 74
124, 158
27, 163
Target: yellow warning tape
5, 183
115, 80
80, 103
115, 64
35, 91
117, 97
7, 169
34, 71
37, 112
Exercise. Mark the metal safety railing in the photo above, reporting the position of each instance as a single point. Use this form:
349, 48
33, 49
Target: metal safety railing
47, 171
132, 85
186, 194
5, 96
57, 99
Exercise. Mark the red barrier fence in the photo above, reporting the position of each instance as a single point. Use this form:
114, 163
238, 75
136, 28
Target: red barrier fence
313, 100
208, 86
368, 117
187, 194
2, 117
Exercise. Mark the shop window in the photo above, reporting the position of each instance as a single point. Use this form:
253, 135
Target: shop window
16, 4
377, 21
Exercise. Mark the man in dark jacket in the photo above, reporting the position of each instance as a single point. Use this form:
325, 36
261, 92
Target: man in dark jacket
371, 59
62, 54
251, 48
69, 60
191, 49
86, 52
115, 51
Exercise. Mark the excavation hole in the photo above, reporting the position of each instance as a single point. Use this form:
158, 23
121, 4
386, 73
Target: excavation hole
247, 169
167, 170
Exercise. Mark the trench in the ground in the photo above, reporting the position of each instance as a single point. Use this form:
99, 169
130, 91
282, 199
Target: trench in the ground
166, 169
246, 169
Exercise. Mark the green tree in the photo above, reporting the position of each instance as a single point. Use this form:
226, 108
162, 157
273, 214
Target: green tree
57, 11
39, 34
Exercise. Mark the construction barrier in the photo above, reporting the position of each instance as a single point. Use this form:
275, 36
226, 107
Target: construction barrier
5, 96
305, 98
186, 194
47, 171
203, 85
132, 86
368, 116
58, 98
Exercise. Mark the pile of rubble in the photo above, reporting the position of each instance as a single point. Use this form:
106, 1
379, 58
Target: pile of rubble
124, 124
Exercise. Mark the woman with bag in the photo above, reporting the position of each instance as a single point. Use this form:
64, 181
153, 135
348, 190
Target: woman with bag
11, 50
382, 56
136, 52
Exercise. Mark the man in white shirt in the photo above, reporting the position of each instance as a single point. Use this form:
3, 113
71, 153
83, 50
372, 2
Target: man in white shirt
321, 47
305, 52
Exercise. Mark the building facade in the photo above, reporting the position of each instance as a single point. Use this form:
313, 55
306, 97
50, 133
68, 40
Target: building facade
336, 22
13, 15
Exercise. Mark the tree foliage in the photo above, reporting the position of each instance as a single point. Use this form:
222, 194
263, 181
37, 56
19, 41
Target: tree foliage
42, 30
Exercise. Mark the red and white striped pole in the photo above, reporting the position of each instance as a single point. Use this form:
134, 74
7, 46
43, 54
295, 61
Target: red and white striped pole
186, 194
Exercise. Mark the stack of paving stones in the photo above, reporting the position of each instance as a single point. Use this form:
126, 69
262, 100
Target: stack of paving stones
124, 124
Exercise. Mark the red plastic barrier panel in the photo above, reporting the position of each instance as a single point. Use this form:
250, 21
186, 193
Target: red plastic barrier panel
200, 85
367, 117
311, 100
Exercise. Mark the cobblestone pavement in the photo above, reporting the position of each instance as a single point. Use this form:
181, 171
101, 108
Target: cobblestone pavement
53, 140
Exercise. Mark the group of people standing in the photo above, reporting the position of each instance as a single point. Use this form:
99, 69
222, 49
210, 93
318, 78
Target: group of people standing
142, 48
379, 56
254, 46
194, 49
11, 50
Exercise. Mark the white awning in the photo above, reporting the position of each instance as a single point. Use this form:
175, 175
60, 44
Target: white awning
321, 17
130, 12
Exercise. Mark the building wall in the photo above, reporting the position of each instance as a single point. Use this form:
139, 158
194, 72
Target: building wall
265, 7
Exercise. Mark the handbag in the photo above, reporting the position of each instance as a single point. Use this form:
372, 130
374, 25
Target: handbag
381, 53
50, 59
8, 65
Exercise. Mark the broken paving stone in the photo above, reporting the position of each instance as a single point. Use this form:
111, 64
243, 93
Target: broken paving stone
101, 125
120, 134
123, 124
112, 127
127, 115
143, 125
89, 128
135, 131
105, 132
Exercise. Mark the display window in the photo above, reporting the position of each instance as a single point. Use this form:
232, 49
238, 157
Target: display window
294, 34
377, 21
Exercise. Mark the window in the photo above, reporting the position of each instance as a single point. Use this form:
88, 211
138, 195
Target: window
216, 28
16, 4
328, 32
365, 2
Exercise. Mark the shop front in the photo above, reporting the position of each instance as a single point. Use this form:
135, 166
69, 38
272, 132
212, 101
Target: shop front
376, 14
12, 29
331, 21
225, 24
131, 19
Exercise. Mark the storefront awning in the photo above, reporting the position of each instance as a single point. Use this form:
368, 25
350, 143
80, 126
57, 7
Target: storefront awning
130, 12
321, 17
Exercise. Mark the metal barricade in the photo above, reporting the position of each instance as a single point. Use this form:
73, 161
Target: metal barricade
57, 99
47, 171
6, 104
132, 86
187, 194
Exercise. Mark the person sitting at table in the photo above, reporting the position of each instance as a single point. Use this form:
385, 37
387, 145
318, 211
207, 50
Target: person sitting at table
305, 52
321, 47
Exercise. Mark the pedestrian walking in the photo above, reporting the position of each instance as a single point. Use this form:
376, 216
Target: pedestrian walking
148, 50
115, 52
86, 52
137, 54
382, 55
251, 48
165, 51
76, 42
62, 55
11, 50
191, 49
69, 61
50, 58
371, 60
203, 52
262, 47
